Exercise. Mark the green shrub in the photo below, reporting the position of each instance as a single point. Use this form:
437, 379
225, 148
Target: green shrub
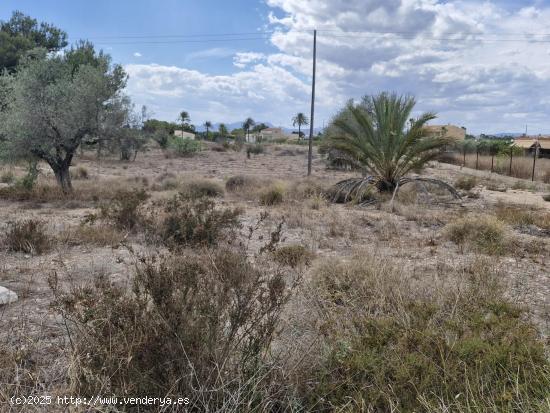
192, 222
184, 147
486, 234
466, 182
123, 211
27, 236
274, 195
198, 188
391, 346
197, 325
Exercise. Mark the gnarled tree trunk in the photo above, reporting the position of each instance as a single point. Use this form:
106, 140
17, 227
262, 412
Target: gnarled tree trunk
63, 177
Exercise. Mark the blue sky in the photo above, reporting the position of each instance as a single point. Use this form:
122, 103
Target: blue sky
491, 82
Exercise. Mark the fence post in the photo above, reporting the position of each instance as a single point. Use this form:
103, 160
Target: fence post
477, 157
535, 153
511, 156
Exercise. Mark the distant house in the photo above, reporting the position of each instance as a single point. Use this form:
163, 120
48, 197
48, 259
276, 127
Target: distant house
530, 144
448, 131
184, 134
269, 134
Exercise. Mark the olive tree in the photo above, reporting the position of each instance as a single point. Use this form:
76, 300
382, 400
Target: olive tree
57, 101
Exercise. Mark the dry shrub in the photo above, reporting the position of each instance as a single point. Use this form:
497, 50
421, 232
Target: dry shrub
484, 233
272, 195
522, 216
466, 182
80, 173
306, 189
294, 255
198, 188
191, 222
27, 236
124, 210
197, 324
546, 197
7, 177
397, 343
101, 236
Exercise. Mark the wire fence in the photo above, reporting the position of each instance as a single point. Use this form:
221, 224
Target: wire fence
517, 166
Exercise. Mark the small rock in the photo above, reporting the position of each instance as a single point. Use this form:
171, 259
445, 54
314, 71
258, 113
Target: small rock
7, 296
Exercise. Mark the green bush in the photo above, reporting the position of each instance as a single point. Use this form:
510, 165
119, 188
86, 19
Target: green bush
393, 347
184, 146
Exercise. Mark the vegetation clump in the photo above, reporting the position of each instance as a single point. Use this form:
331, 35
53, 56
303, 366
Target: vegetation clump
196, 324
238, 183
184, 147
294, 255
198, 188
195, 222
393, 346
27, 236
274, 195
485, 234
124, 210
466, 182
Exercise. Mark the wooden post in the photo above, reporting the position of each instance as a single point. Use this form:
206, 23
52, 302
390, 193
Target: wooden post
310, 150
511, 156
535, 153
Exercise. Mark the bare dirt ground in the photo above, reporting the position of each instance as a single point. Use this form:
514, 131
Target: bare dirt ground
412, 236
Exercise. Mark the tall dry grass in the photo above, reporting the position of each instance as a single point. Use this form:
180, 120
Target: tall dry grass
522, 166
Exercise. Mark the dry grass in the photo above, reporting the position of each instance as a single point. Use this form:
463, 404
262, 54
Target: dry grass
197, 188
98, 235
27, 236
485, 234
522, 166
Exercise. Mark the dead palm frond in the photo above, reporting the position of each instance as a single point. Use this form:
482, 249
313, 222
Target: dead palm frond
379, 141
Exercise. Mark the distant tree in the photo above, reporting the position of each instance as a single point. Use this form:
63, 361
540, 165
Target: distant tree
155, 125
259, 127
207, 125
185, 122
464, 146
247, 124
55, 104
301, 120
21, 34
222, 129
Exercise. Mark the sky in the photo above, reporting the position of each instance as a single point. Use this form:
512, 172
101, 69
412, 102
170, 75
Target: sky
484, 65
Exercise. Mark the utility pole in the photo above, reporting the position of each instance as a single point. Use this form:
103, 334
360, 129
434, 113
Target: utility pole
310, 151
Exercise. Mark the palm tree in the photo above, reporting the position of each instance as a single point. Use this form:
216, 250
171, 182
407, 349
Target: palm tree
300, 119
207, 125
375, 137
184, 119
248, 123
222, 130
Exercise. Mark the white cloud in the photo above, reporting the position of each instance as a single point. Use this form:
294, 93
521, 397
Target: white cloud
435, 53
137, 54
